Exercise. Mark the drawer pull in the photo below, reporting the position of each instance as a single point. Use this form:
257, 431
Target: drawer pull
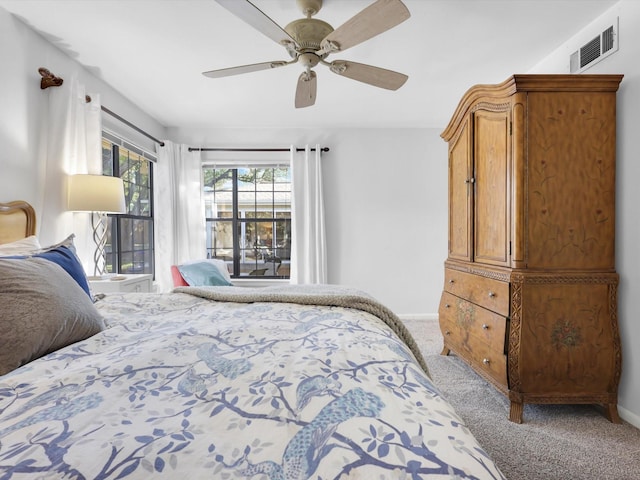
446, 305
452, 281
486, 361
485, 326
447, 332
492, 295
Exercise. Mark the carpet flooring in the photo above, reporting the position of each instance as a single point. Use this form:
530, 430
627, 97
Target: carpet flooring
554, 442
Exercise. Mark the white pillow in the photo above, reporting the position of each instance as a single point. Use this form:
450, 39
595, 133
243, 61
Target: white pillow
24, 246
220, 265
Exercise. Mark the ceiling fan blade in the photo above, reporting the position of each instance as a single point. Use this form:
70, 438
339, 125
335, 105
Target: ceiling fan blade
373, 20
376, 76
254, 67
306, 90
255, 17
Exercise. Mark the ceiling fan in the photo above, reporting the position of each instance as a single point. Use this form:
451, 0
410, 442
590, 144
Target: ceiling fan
309, 41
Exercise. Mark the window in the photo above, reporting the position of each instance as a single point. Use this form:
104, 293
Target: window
129, 247
248, 219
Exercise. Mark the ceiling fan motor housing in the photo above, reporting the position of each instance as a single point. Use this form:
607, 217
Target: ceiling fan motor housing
308, 33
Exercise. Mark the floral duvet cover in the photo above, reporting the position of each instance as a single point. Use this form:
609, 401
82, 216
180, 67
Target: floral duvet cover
185, 387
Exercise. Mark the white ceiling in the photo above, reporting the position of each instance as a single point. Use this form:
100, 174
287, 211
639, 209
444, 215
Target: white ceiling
153, 52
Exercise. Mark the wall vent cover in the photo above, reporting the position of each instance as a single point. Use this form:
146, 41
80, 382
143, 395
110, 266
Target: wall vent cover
598, 48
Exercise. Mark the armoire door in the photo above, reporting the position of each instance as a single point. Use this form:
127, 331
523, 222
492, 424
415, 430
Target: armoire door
491, 174
460, 195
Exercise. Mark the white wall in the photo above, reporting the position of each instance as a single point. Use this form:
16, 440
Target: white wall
385, 206
385, 189
24, 105
624, 61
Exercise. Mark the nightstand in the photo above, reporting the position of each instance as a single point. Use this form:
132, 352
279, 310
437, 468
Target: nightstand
122, 283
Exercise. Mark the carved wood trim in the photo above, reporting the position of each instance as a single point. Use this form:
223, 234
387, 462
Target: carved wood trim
491, 107
482, 272
604, 398
515, 332
503, 277
456, 136
529, 83
580, 279
515, 412
615, 331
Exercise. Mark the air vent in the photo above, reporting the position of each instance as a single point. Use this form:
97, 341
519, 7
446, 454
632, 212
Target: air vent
599, 47
608, 39
590, 52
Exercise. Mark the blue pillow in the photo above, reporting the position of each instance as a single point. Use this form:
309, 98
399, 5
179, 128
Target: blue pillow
65, 258
201, 274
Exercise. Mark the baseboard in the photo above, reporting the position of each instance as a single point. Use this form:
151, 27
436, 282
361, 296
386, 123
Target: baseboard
629, 417
418, 316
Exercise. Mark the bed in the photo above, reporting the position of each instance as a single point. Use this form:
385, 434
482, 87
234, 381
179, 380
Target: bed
298, 382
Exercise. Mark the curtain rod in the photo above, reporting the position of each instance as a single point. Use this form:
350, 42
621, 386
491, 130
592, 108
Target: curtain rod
129, 124
298, 149
50, 80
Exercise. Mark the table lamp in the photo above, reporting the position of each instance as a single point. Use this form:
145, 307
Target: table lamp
98, 194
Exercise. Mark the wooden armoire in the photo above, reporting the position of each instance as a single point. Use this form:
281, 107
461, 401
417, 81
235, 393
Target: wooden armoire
530, 293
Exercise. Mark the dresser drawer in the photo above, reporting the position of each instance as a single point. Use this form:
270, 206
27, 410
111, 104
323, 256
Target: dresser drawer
477, 353
485, 325
489, 361
486, 292
483, 353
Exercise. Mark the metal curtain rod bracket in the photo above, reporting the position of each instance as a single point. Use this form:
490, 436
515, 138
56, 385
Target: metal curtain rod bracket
206, 149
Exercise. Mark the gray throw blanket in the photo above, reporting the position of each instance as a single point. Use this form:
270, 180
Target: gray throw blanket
327, 295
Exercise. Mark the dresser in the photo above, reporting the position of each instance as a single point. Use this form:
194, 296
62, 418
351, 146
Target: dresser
122, 283
530, 289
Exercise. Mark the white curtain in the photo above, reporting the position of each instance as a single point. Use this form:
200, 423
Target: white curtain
179, 223
308, 245
71, 143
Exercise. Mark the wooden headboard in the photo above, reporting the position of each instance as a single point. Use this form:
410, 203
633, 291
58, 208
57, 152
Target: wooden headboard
17, 220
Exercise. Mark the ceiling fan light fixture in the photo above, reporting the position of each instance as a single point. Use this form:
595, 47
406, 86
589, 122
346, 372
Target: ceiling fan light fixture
308, 60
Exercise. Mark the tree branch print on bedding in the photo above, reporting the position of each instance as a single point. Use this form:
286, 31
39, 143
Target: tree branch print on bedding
288, 392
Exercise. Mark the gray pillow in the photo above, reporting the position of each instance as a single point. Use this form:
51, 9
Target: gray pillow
42, 310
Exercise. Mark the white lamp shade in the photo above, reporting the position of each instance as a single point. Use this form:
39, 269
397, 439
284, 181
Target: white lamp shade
95, 193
